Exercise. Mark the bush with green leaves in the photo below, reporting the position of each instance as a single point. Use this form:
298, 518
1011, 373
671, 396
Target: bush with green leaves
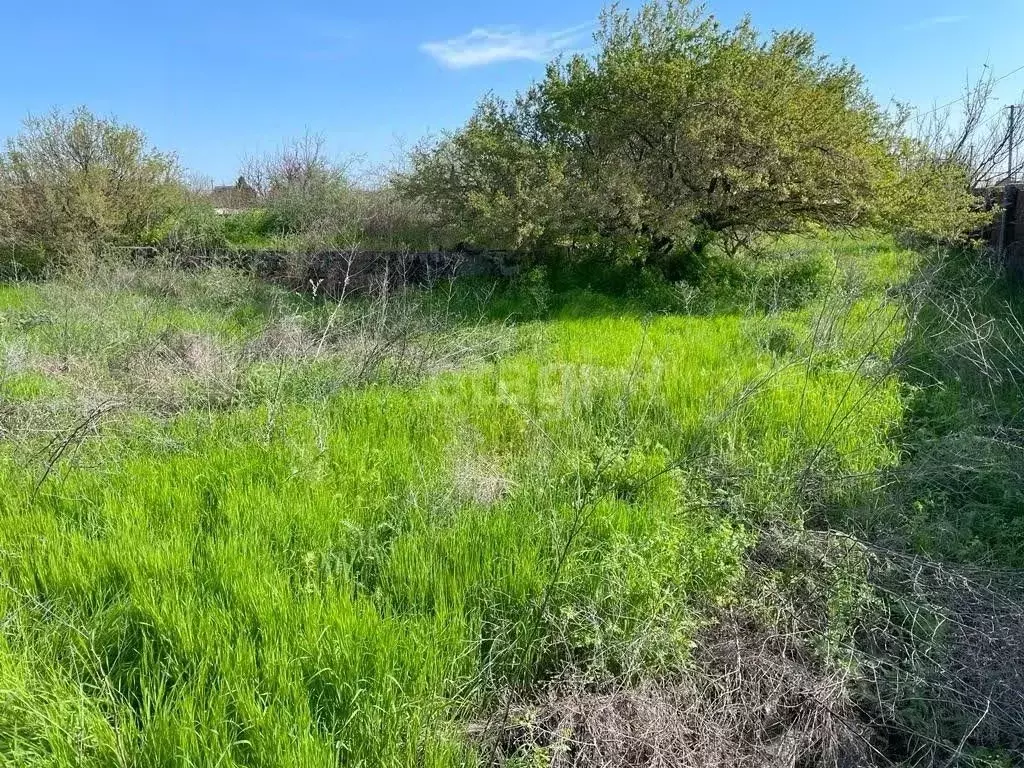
309, 201
73, 182
490, 183
302, 189
925, 195
196, 226
250, 228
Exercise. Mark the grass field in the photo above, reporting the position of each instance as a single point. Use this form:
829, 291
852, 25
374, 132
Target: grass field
246, 528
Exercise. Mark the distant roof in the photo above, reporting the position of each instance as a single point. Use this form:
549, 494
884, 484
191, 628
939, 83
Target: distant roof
237, 196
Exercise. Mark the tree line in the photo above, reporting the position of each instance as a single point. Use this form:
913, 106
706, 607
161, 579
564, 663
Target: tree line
676, 135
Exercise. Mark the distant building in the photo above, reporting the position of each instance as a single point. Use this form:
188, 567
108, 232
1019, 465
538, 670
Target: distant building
239, 196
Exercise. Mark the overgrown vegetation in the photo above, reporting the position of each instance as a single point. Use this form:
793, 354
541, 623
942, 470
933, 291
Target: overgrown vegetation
718, 475
248, 524
679, 133
77, 183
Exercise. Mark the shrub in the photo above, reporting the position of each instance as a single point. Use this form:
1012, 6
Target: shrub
385, 218
929, 197
248, 228
194, 227
302, 190
309, 199
74, 181
767, 281
787, 281
488, 184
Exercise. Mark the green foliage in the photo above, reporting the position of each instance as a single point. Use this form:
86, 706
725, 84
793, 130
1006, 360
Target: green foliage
388, 220
491, 183
248, 228
677, 133
194, 227
75, 181
535, 283
303, 191
961, 497
925, 196
715, 133
308, 202
771, 280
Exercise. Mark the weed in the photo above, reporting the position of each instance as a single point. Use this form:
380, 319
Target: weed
248, 525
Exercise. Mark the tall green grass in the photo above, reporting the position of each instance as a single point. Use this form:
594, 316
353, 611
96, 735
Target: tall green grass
354, 576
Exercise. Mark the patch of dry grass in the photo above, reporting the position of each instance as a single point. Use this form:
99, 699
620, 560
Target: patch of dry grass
161, 341
747, 699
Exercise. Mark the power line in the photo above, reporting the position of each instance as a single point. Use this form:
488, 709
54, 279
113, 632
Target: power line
957, 101
994, 118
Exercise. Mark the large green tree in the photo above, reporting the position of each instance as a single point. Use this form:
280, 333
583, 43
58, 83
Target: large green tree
682, 131
678, 132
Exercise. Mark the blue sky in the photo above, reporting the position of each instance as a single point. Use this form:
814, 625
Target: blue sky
217, 80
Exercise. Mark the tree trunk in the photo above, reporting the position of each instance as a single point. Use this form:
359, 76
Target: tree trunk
684, 264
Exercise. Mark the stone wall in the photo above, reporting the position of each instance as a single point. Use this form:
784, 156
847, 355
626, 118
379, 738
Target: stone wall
337, 273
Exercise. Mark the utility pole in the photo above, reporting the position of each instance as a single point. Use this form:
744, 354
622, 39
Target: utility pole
1013, 124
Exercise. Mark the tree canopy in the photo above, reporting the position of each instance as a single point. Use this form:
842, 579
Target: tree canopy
677, 133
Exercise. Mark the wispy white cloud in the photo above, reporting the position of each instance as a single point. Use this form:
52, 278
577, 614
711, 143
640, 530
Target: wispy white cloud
936, 21
485, 46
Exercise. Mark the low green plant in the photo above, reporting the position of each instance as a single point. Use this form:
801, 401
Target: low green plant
249, 229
